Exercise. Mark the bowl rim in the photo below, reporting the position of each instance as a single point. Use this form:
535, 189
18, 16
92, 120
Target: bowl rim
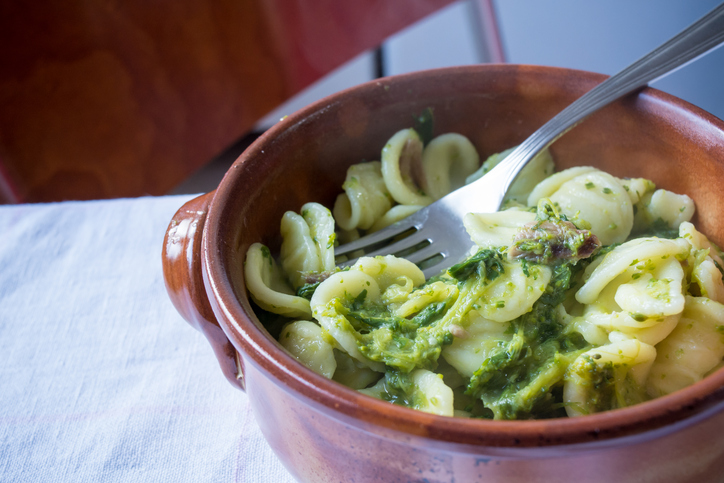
244, 330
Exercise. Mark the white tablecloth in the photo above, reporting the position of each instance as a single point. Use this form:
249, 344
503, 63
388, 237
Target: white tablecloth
101, 380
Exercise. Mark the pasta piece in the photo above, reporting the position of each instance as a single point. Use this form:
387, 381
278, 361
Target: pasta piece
537, 169
552, 183
649, 335
637, 188
307, 242
305, 341
629, 258
474, 344
344, 285
427, 393
655, 293
699, 241
623, 326
377, 391
390, 270
666, 206
393, 215
694, 348
617, 320
352, 373
599, 199
606, 301
374, 276
402, 168
593, 333
321, 228
708, 279
365, 198
497, 229
267, 286
607, 377
416, 301
512, 294
434, 395
643, 301
447, 160
298, 253
398, 293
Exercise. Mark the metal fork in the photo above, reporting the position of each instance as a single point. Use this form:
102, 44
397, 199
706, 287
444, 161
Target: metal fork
435, 238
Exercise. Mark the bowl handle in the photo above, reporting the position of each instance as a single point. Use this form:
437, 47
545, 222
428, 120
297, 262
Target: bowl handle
185, 285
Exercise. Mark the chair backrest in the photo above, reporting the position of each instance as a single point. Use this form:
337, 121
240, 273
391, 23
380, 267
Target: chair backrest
113, 99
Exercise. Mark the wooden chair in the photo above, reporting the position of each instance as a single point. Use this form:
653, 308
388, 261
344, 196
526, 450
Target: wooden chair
116, 99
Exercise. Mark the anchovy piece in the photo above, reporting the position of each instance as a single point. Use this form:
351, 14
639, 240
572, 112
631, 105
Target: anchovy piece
551, 240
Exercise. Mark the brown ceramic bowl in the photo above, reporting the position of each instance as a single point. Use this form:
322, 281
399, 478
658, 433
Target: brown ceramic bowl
323, 431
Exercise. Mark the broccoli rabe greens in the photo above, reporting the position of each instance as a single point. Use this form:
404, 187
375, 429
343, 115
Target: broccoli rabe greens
587, 293
519, 380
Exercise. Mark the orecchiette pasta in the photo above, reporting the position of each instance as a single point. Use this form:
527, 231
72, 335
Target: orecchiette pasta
709, 280
694, 347
551, 184
637, 188
637, 256
435, 397
446, 162
496, 229
267, 286
699, 241
619, 326
344, 285
609, 365
670, 208
352, 373
394, 214
365, 198
402, 166
306, 341
580, 297
511, 295
656, 293
429, 393
308, 242
538, 169
475, 343
599, 199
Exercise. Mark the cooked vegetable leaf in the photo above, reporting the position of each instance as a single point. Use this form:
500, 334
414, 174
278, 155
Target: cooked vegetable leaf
424, 125
487, 264
521, 379
307, 290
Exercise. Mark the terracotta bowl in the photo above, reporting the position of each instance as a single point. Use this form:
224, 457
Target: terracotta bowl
323, 431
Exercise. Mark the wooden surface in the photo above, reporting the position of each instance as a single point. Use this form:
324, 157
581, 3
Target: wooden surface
110, 99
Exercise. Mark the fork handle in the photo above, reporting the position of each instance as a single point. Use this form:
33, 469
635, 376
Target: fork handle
696, 40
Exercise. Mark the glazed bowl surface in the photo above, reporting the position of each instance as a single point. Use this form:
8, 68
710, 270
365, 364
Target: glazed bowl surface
323, 431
